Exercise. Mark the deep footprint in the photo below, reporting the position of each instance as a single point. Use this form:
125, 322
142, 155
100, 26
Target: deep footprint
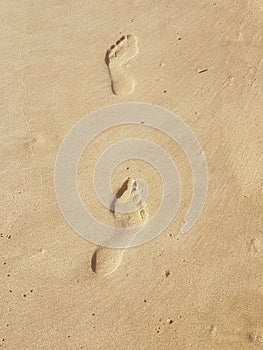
106, 260
117, 59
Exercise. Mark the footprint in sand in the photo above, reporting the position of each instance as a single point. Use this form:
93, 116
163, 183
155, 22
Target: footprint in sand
117, 59
106, 260
130, 191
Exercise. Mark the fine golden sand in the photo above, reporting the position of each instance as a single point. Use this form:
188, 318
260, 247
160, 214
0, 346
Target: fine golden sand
60, 61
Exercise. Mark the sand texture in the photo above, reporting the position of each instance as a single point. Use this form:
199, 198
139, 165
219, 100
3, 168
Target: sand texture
62, 60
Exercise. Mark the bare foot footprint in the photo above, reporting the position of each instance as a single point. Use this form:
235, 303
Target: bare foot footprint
106, 260
131, 193
117, 59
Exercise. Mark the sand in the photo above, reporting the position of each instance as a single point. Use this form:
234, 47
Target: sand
62, 60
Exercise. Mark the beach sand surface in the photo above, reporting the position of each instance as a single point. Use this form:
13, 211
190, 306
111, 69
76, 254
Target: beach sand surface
62, 60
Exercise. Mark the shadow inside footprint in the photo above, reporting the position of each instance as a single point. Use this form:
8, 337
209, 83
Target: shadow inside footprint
107, 58
94, 261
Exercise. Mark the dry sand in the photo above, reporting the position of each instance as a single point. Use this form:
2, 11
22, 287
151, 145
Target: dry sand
61, 60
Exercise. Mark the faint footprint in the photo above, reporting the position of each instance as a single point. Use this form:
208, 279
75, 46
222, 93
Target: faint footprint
254, 247
117, 59
106, 260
